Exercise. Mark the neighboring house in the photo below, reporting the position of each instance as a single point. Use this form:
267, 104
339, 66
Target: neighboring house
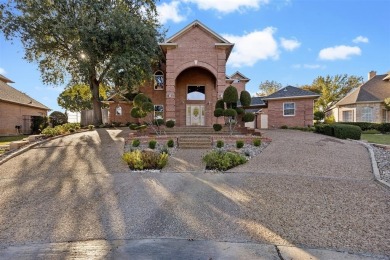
17, 109
365, 103
289, 106
192, 77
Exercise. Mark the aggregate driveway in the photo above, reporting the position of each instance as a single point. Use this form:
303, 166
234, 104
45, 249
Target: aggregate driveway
304, 190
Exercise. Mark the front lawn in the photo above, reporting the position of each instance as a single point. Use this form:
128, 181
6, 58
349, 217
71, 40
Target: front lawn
377, 138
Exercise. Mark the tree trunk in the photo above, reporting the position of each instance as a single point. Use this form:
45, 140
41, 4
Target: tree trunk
97, 106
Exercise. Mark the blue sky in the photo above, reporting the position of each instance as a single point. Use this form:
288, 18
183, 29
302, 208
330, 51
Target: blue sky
288, 41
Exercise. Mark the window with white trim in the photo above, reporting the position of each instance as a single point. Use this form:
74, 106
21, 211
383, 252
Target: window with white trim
289, 109
367, 115
348, 116
158, 112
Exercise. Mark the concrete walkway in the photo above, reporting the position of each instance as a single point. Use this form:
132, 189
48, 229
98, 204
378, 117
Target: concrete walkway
304, 190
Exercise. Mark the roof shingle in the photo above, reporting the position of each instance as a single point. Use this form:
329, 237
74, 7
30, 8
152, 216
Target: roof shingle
291, 91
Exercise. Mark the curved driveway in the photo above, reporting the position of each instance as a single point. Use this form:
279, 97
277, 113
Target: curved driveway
304, 189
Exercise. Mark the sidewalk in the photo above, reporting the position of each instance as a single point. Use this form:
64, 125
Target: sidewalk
171, 249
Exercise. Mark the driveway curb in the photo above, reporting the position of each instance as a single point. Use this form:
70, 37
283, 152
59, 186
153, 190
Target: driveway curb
374, 164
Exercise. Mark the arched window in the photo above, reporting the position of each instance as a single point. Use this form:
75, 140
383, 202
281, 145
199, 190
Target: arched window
158, 80
196, 93
118, 110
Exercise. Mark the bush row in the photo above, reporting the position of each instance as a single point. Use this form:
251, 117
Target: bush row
142, 160
381, 127
61, 129
152, 143
341, 131
222, 161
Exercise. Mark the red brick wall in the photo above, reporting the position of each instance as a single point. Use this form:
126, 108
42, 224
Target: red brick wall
303, 113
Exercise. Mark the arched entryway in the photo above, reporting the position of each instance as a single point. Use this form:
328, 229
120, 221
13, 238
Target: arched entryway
196, 95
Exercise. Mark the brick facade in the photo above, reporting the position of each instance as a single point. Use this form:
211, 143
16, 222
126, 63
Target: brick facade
303, 113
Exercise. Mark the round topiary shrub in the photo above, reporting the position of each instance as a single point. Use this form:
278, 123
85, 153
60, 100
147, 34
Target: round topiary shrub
135, 143
170, 123
217, 127
152, 144
245, 98
136, 112
257, 142
230, 112
220, 143
147, 107
218, 112
230, 95
240, 110
170, 143
139, 99
248, 117
220, 104
158, 122
239, 144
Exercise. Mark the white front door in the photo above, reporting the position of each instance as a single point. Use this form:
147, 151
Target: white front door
264, 121
195, 115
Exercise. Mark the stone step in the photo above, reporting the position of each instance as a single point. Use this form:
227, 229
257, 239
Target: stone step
194, 142
17, 144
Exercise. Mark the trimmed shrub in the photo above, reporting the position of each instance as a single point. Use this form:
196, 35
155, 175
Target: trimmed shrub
220, 143
230, 112
133, 126
158, 122
240, 110
381, 127
147, 107
384, 128
257, 142
371, 131
38, 123
152, 144
217, 127
284, 127
245, 98
230, 95
220, 104
138, 160
319, 115
58, 118
218, 112
135, 143
170, 143
347, 131
222, 161
248, 117
239, 144
139, 99
170, 123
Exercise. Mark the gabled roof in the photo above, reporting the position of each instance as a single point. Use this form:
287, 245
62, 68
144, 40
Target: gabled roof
374, 90
10, 94
5, 80
220, 41
241, 76
291, 92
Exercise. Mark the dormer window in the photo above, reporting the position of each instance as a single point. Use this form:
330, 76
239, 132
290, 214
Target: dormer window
159, 80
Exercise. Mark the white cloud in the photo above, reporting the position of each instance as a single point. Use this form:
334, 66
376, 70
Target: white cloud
360, 39
169, 11
340, 52
228, 6
252, 47
289, 45
2, 71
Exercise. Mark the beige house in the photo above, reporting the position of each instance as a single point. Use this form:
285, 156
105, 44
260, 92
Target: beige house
366, 103
17, 109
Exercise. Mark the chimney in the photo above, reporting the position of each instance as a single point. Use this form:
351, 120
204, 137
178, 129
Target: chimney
371, 74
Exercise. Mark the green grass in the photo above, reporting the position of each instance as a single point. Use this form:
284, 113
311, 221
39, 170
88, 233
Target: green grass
4, 140
376, 138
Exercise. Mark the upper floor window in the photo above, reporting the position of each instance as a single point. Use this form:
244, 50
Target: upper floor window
158, 80
196, 93
367, 114
289, 109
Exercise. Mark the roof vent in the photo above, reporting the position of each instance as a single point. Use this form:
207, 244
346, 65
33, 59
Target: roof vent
371, 74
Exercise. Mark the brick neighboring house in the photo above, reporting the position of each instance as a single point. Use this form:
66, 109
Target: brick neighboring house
289, 106
192, 77
365, 103
17, 109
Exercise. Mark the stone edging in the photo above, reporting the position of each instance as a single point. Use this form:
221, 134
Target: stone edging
374, 164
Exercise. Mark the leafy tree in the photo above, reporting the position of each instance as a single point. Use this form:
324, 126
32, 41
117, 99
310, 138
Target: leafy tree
229, 101
110, 42
79, 97
144, 108
58, 118
387, 103
332, 89
268, 87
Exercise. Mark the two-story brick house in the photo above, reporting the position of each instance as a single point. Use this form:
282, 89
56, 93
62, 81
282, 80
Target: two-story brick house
191, 78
